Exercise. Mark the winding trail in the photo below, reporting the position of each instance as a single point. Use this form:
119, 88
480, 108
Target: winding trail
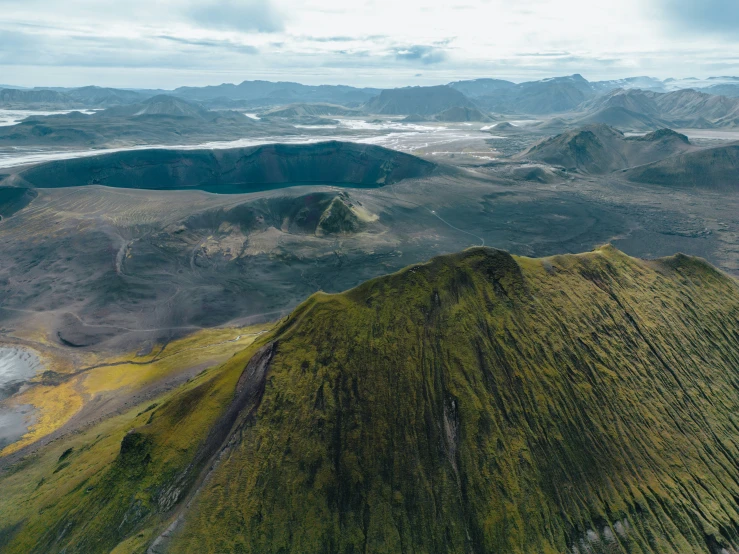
158, 358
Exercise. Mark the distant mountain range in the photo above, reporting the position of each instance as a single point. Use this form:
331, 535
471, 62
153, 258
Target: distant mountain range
639, 104
567, 92
158, 120
266, 93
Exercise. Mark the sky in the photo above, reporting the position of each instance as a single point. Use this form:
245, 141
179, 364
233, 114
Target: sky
379, 43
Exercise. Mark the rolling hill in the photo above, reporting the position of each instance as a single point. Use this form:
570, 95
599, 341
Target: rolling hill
296, 111
681, 109
600, 149
461, 115
161, 119
710, 168
622, 119
477, 403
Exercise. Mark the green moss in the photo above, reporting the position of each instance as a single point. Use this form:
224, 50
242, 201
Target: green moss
476, 403
117, 482
481, 403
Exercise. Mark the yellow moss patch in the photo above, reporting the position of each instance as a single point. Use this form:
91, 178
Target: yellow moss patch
55, 405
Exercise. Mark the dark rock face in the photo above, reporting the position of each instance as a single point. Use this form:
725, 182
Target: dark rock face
234, 171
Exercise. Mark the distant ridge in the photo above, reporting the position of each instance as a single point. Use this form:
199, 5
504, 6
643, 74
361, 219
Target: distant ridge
600, 149
418, 101
709, 168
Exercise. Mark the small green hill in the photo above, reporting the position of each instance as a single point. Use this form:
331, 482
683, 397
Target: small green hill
477, 403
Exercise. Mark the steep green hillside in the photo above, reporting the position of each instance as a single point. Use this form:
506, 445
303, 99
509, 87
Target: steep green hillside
477, 403
486, 404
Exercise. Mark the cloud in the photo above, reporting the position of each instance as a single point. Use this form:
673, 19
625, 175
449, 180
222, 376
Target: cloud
718, 17
224, 44
18, 47
245, 15
419, 53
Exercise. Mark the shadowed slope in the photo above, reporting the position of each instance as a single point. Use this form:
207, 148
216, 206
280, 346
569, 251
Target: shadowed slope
235, 170
711, 168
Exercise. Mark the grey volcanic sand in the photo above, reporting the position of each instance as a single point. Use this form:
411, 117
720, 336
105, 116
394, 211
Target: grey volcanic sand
17, 365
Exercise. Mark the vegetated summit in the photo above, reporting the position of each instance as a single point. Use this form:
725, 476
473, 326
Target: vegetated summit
233, 170
477, 403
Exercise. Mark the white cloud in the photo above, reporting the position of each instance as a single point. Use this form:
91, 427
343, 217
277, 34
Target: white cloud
366, 42
238, 15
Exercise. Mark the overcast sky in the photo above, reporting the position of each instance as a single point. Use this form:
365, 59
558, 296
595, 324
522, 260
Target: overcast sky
168, 43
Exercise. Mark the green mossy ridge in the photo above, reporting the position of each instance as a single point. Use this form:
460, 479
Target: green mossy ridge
485, 403
476, 403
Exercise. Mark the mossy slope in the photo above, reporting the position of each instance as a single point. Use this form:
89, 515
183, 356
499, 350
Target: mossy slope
481, 403
477, 403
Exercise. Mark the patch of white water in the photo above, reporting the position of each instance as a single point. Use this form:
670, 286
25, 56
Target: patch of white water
17, 365
11, 117
405, 137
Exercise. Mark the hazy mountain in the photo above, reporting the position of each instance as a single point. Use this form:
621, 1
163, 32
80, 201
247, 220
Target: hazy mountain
35, 99
643, 83
161, 105
270, 93
730, 90
460, 115
710, 168
686, 106
293, 111
481, 87
418, 101
559, 94
104, 97
64, 98
506, 128
622, 119
634, 100
599, 149
159, 120
682, 108
477, 403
